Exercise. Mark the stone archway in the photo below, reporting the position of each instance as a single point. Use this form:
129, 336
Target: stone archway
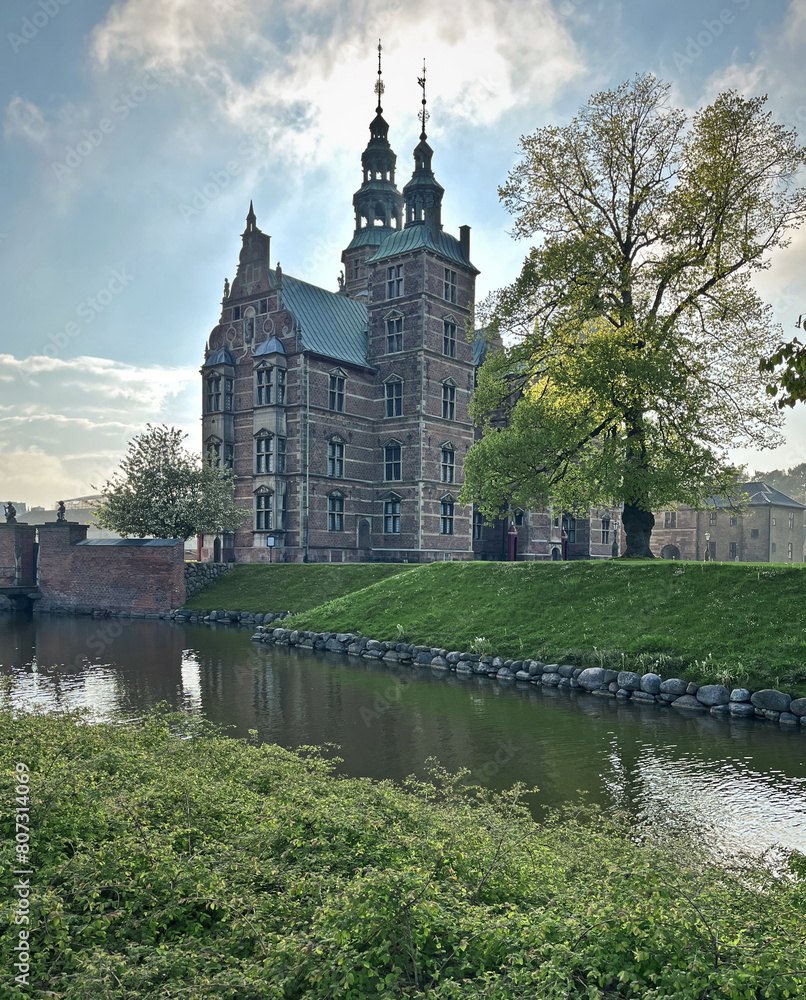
556, 554
670, 552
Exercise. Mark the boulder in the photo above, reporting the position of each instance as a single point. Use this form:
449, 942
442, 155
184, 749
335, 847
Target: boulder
590, 679
674, 686
643, 697
628, 680
771, 700
798, 707
650, 683
550, 680
788, 719
566, 670
688, 701
713, 694
721, 709
740, 694
741, 709
440, 663
523, 675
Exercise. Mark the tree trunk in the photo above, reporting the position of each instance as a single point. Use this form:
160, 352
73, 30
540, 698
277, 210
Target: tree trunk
638, 525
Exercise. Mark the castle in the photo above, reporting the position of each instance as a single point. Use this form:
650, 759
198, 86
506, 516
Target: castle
344, 414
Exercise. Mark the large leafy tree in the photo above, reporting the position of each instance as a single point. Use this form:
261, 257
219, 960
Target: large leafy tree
635, 334
164, 491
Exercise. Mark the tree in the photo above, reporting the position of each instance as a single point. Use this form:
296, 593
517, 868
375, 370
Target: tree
788, 365
637, 335
164, 491
792, 481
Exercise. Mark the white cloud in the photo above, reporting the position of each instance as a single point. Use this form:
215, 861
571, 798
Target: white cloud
65, 423
25, 120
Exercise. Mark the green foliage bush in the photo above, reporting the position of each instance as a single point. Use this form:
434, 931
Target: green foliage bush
172, 861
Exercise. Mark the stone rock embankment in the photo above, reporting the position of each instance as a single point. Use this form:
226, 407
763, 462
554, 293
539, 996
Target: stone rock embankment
626, 685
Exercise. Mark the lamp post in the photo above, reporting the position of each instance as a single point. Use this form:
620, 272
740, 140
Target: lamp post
707, 546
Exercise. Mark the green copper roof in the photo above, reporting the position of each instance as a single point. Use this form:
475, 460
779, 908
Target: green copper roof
420, 236
372, 236
332, 325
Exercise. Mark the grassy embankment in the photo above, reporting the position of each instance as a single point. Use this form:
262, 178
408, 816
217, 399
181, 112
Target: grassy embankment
740, 624
207, 867
262, 588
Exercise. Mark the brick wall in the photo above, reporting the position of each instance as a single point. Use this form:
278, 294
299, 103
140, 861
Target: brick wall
143, 575
17, 554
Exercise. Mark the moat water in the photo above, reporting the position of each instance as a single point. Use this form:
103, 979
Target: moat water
735, 784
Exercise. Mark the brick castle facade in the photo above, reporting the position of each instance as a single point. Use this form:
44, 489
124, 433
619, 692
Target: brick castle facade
344, 414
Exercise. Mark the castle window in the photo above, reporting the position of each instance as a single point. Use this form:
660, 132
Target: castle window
394, 281
448, 401
605, 531
733, 521
446, 516
213, 453
336, 395
791, 522
570, 527
754, 532
264, 455
229, 393
280, 454
394, 334
356, 269
449, 338
335, 513
478, 525
236, 313
449, 285
789, 550
335, 459
733, 551
391, 516
264, 390
394, 397
393, 465
263, 306
229, 455
447, 466
670, 519
263, 511
712, 517
280, 374
214, 394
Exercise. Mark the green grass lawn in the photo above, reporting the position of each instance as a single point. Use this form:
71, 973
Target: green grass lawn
742, 624
264, 589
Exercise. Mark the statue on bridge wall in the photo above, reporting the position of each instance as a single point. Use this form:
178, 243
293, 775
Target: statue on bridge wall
10, 512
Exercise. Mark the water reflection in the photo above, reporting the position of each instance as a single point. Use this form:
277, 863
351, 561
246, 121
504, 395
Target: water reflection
735, 783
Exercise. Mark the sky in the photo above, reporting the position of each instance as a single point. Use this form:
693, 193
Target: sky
135, 133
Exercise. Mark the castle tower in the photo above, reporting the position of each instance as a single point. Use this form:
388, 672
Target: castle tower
378, 204
421, 297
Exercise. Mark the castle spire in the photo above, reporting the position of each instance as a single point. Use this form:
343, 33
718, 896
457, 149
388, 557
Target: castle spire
251, 218
379, 87
423, 115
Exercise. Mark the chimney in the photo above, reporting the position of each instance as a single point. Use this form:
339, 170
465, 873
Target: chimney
464, 239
